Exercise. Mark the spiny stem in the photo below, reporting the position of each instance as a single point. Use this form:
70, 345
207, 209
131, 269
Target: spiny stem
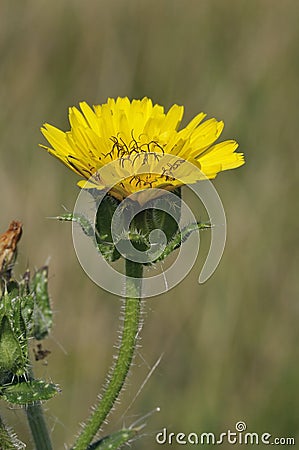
38, 427
125, 356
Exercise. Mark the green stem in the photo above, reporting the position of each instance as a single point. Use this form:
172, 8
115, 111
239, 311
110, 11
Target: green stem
38, 427
124, 359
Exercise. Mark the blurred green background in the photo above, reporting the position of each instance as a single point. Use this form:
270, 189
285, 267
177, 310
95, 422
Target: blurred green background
230, 346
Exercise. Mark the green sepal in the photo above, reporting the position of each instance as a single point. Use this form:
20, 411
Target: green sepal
80, 219
114, 440
102, 231
29, 392
104, 239
24, 284
27, 307
12, 286
143, 223
19, 322
154, 217
42, 316
181, 236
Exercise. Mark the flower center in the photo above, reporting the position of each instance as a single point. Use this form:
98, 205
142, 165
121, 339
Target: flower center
134, 149
141, 164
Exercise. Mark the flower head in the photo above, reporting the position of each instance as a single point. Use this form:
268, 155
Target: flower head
138, 134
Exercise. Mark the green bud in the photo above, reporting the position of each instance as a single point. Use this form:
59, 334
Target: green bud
13, 353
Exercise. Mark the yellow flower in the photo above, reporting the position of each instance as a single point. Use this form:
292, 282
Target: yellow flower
138, 134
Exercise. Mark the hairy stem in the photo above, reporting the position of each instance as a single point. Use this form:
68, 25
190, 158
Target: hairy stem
125, 356
38, 427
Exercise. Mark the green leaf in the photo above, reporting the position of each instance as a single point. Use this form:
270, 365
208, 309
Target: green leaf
29, 392
181, 237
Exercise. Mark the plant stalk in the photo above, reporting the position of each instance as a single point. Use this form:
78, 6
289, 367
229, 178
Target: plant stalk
38, 427
125, 356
